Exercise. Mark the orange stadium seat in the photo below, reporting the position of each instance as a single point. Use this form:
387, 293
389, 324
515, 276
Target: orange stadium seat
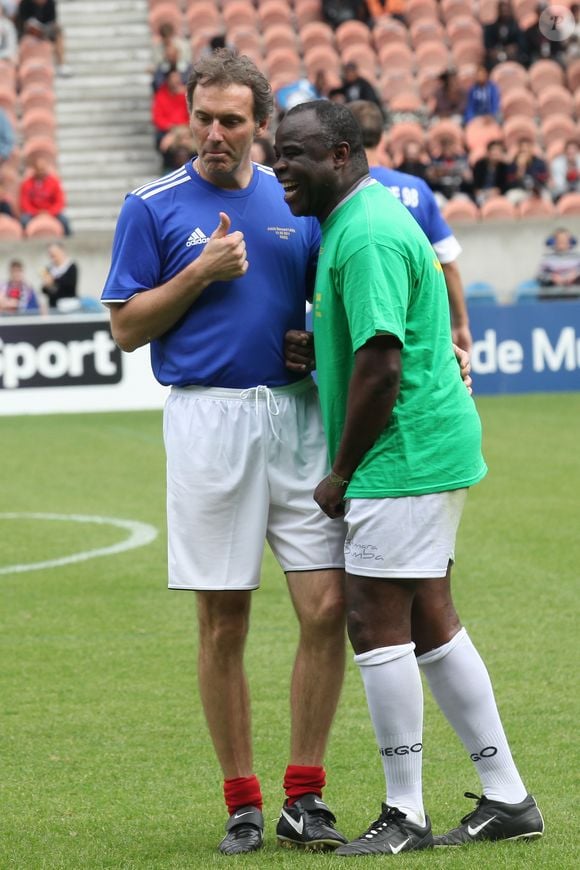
519, 127
352, 33
573, 74
284, 60
274, 12
43, 226
460, 211
201, 15
407, 101
417, 9
42, 146
246, 40
393, 82
555, 100
433, 56
38, 122
10, 228
557, 127
36, 96
467, 51
30, 46
35, 71
426, 30
523, 8
279, 36
444, 129
307, 10
518, 101
464, 27
364, 57
498, 208
315, 33
240, 14
388, 30
455, 8
199, 41
396, 57
480, 131
543, 73
509, 74
569, 204
166, 13
404, 132
8, 99
535, 206
487, 11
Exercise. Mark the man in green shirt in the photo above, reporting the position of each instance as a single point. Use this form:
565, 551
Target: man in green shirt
404, 441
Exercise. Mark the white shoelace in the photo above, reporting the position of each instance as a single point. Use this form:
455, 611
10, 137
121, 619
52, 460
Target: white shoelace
271, 404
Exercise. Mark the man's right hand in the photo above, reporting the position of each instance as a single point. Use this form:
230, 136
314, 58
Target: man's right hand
224, 256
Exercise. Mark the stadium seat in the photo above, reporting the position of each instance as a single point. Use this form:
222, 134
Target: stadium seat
273, 12
279, 36
240, 14
246, 41
544, 73
403, 132
307, 10
38, 122
451, 9
165, 13
352, 33
417, 9
395, 56
444, 129
467, 51
364, 57
199, 41
284, 60
557, 127
37, 96
389, 30
393, 82
487, 11
323, 57
498, 208
10, 229
569, 204
536, 206
518, 102
406, 102
426, 30
43, 226
8, 99
460, 211
315, 33
573, 74
509, 74
463, 27
480, 131
478, 292
519, 127
526, 291
35, 71
42, 146
433, 56
555, 100
31, 47
201, 15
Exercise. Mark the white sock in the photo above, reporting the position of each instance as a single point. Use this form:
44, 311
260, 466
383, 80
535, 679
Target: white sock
461, 686
395, 697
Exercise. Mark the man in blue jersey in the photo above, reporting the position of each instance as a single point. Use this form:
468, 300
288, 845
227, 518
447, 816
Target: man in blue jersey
416, 196
210, 267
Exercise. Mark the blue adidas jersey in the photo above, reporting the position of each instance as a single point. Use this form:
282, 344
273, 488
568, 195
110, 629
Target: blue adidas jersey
417, 197
233, 335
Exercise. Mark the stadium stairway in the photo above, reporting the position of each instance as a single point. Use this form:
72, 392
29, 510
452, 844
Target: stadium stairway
105, 137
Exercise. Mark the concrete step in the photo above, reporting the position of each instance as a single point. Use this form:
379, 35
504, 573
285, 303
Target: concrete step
103, 162
112, 134
108, 58
104, 85
120, 107
106, 30
69, 9
126, 175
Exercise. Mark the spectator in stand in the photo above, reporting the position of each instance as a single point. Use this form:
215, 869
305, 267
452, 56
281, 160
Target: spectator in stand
356, 87
448, 99
449, 175
168, 38
39, 18
262, 151
171, 54
335, 12
41, 192
391, 8
561, 266
16, 295
60, 277
565, 171
535, 45
7, 138
8, 38
413, 162
527, 174
483, 98
5, 204
490, 173
502, 38
169, 107
177, 147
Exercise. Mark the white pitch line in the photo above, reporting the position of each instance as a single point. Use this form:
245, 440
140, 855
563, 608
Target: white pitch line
140, 535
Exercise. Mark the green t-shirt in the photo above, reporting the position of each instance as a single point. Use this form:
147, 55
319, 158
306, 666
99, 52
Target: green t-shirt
378, 273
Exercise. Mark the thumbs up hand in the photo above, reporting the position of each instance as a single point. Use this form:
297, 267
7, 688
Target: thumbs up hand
224, 256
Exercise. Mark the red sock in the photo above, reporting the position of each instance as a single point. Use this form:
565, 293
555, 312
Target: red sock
301, 779
243, 791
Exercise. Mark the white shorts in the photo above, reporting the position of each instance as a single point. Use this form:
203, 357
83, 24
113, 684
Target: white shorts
405, 538
242, 466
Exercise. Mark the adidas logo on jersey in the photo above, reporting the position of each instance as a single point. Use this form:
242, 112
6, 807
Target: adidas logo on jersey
197, 237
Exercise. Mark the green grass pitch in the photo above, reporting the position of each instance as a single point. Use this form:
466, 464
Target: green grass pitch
105, 759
